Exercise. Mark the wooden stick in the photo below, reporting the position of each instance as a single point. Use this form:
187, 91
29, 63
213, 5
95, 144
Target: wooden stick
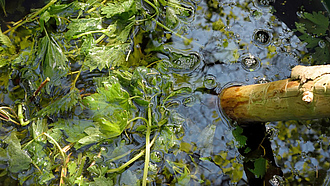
305, 96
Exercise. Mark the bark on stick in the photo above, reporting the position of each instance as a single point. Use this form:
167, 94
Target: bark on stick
306, 95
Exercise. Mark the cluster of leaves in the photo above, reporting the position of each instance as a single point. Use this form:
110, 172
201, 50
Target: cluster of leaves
53, 143
315, 30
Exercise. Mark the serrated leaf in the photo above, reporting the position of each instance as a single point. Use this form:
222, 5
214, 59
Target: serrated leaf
111, 108
117, 8
74, 129
53, 61
18, 160
321, 23
106, 56
79, 26
65, 103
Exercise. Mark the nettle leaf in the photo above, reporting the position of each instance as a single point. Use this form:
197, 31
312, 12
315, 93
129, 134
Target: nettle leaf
111, 108
17, 158
53, 61
106, 56
65, 103
118, 8
74, 130
321, 23
79, 26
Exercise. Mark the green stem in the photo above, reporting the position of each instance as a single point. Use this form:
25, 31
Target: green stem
131, 160
20, 116
28, 19
127, 163
57, 145
148, 146
136, 118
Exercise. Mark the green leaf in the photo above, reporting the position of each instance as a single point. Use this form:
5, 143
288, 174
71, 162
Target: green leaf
18, 160
65, 103
260, 167
111, 108
53, 61
79, 26
74, 129
44, 18
106, 56
321, 23
93, 136
4, 40
118, 8
239, 137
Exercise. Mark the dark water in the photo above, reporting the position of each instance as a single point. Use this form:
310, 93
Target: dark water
238, 42
225, 35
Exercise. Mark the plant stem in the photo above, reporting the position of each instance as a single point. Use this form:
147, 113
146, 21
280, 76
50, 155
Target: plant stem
20, 116
148, 146
28, 19
127, 163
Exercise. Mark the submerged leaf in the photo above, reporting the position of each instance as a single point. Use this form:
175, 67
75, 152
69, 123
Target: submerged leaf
17, 158
106, 56
260, 167
320, 23
53, 61
65, 103
118, 8
111, 108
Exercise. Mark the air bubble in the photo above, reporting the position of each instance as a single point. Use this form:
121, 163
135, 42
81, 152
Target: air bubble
250, 63
322, 44
261, 37
265, 2
210, 81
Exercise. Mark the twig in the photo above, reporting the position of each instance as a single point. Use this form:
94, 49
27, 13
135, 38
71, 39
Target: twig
39, 88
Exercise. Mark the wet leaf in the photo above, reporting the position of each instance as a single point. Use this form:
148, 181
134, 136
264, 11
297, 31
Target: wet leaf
111, 108
65, 103
17, 158
118, 8
4, 40
53, 61
106, 56
79, 26
129, 178
74, 130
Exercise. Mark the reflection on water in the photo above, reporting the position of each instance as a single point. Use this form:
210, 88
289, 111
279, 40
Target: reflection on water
239, 41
